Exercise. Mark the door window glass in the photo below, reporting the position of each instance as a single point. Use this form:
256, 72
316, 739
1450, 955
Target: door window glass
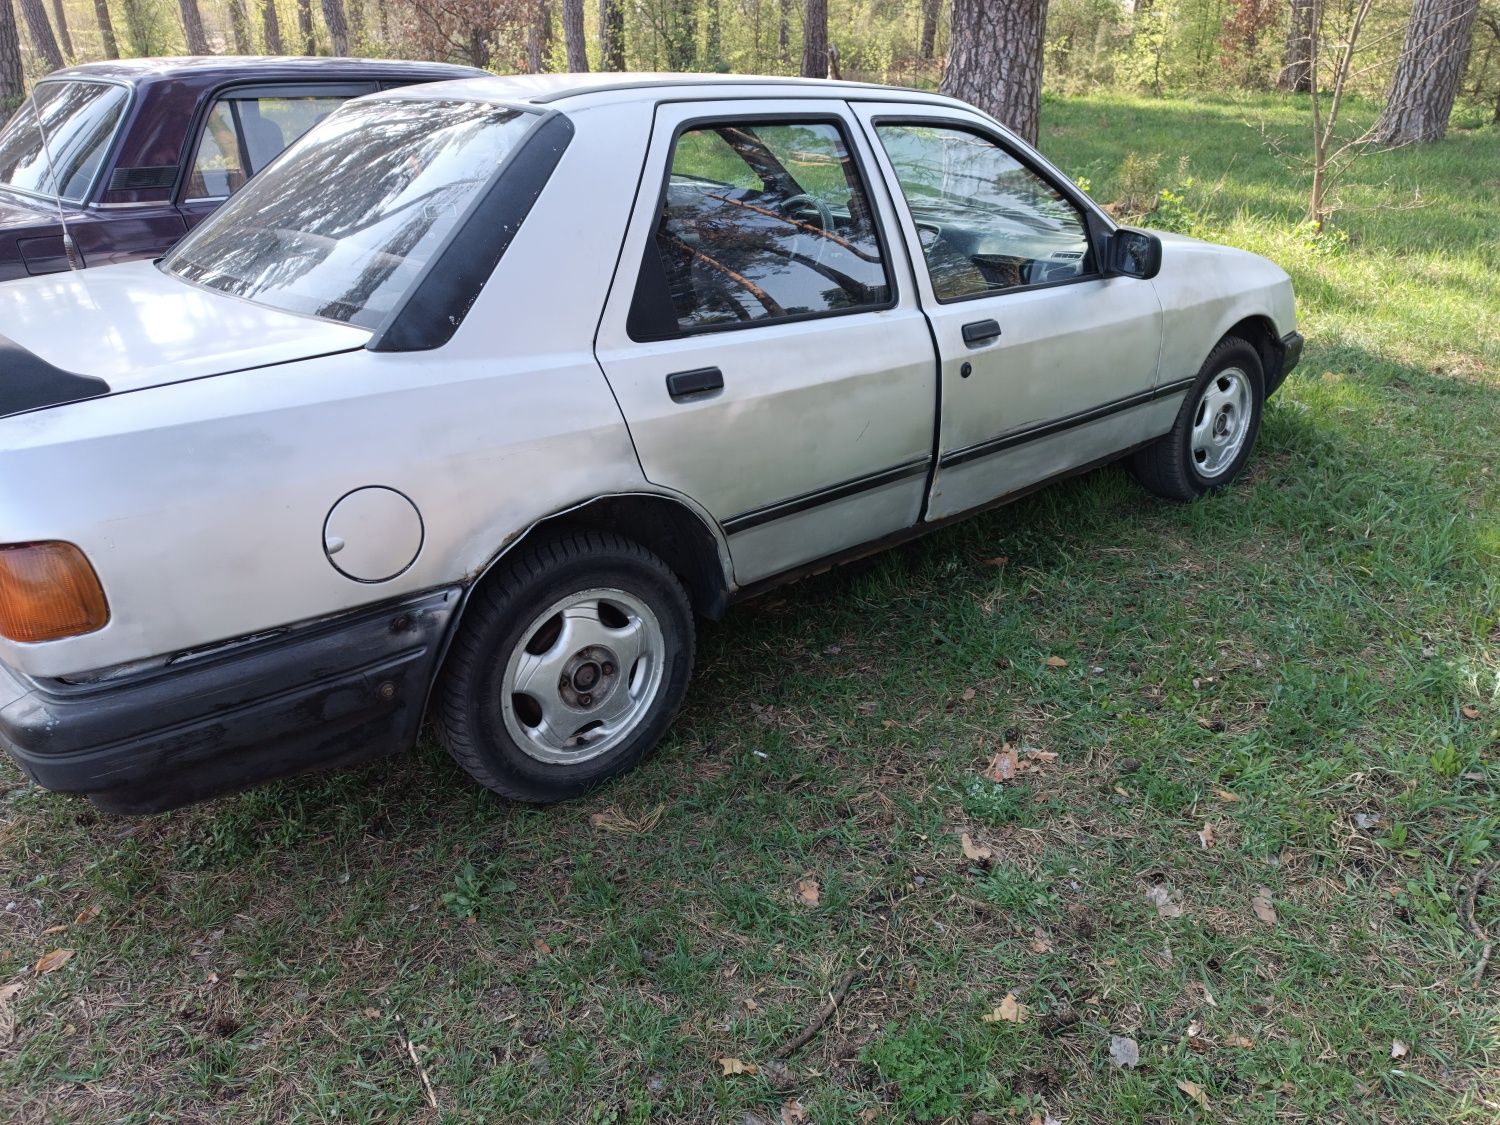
987, 222
243, 135
760, 222
55, 143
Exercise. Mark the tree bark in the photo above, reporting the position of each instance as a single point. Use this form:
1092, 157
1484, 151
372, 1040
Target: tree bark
784, 30
138, 29
305, 30
611, 35
932, 11
995, 60
713, 46
192, 27
815, 39
41, 33
106, 29
64, 39
1296, 60
12, 73
539, 37
573, 41
338, 26
682, 34
1428, 72
270, 27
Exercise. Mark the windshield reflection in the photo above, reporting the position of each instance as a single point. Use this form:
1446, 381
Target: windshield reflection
80, 120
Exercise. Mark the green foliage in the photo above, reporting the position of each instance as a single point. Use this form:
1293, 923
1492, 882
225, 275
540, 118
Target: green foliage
923, 1066
474, 894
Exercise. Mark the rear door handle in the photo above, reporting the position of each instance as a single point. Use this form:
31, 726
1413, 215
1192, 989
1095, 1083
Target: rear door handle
681, 384
981, 332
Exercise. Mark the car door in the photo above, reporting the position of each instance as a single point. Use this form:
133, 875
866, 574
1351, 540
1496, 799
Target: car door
1046, 364
762, 335
245, 128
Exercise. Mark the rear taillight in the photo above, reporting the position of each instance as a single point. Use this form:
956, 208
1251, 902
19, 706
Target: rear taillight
48, 591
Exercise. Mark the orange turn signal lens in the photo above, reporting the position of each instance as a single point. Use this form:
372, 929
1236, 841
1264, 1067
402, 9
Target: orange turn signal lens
48, 591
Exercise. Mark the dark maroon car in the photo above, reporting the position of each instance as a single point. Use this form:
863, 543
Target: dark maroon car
132, 154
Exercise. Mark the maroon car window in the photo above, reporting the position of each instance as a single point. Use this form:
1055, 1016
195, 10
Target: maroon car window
78, 122
342, 225
242, 135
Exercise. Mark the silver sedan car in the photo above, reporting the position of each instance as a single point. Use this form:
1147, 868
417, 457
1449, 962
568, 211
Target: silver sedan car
471, 402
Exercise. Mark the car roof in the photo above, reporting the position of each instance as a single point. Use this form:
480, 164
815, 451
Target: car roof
216, 68
568, 91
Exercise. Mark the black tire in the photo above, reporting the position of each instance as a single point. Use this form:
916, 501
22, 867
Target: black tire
1169, 467
468, 707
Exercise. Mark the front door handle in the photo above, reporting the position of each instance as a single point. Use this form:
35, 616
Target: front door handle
681, 384
981, 332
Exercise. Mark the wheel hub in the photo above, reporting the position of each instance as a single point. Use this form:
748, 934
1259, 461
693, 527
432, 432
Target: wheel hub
588, 678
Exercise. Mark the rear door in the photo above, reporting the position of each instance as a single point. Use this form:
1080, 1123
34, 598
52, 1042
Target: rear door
1046, 364
763, 336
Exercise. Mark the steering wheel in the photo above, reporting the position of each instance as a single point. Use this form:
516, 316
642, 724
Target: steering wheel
825, 213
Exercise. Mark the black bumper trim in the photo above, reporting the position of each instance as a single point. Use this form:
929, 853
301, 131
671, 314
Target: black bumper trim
330, 693
1291, 355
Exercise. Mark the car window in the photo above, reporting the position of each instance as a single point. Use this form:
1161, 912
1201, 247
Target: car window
342, 226
760, 221
987, 222
241, 135
78, 120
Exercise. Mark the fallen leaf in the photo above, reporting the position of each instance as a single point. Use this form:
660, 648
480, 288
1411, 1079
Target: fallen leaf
1040, 942
371, 1013
1041, 755
1122, 791
1365, 821
972, 850
541, 946
1194, 1091
1195, 1029
50, 930
868, 1115
793, 1114
7, 1016
1399, 1050
51, 962
1161, 898
998, 560
1123, 1051
968, 694
1004, 765
1206, 835
11, 991
86, 915
1056, 662
1469, 712
735, 1066
1261, 904
1009, 1011
1226, 795
808, 892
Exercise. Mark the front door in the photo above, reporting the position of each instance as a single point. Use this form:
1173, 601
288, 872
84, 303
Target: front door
1046, 365
763, 337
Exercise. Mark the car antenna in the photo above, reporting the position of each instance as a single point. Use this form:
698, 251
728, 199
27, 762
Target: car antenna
70, 248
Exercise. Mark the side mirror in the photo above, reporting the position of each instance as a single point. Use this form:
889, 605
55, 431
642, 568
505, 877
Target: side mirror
1133, 253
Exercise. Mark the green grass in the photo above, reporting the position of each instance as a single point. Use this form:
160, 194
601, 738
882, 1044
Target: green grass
1306, 643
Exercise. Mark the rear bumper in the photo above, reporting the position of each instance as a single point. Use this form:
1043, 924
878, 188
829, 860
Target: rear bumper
330, 693
1291, 355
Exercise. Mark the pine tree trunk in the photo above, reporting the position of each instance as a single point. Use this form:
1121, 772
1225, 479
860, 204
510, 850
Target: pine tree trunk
1428, 72
573, 41
932, 11
239, 28
815, 39
995, 60
338, 26
270, 27
713, 44
682, 34
784, 30
106, 29
138, 28
1296, 60
611, 35
192, 27
359, 39
305, 31
539, 37
64, 39
12, 73
41, 33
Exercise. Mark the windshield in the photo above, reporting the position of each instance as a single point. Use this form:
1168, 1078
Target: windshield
80, 120
342, 224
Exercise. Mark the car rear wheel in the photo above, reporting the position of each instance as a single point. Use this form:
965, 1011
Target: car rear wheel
1215, 430
568, 667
